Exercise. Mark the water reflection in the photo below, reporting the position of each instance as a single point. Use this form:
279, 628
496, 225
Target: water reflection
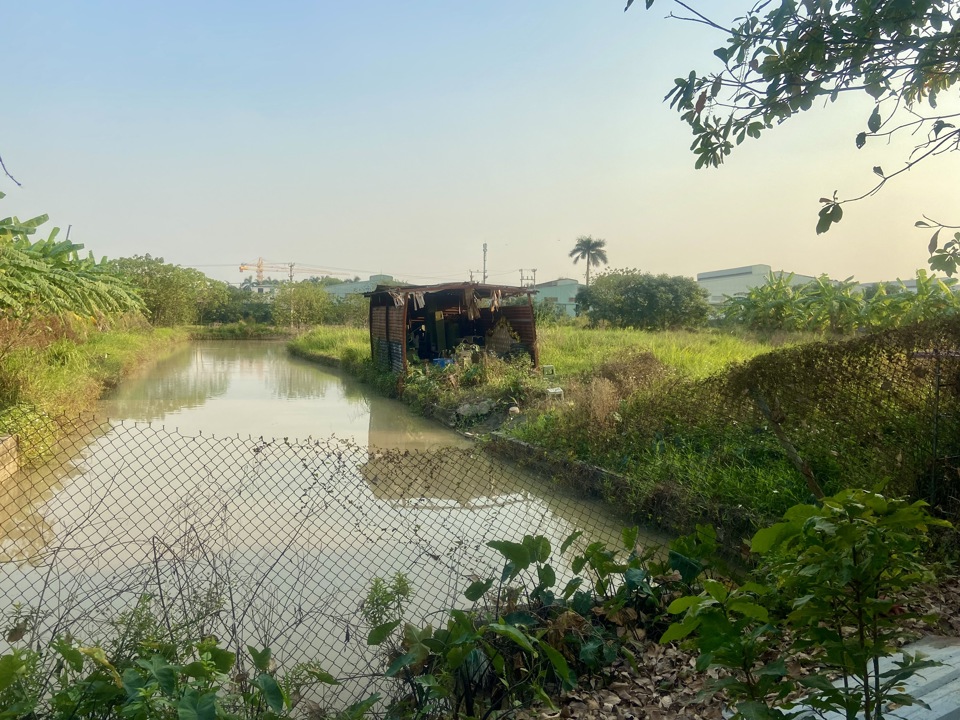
297, 529
257, 389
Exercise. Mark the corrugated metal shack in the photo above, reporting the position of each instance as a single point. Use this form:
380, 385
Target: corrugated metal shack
430, 322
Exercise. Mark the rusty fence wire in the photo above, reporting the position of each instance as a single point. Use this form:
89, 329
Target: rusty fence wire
270, 543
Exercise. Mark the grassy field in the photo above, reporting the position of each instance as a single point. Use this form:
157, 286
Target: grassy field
579, 351
575, 351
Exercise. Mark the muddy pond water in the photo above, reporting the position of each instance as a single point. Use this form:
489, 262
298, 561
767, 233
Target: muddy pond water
267, 492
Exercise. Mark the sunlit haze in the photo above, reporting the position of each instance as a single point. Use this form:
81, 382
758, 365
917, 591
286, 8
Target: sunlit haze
393, 137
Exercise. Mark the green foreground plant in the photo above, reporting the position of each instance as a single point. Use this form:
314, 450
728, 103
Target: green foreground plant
529, 635
836, 583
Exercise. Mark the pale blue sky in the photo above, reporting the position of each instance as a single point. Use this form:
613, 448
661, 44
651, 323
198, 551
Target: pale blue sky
399, 137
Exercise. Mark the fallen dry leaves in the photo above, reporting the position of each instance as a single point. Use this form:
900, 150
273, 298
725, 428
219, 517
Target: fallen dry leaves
666, 685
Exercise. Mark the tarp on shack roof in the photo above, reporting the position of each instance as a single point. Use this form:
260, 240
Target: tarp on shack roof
394, 307
480, 290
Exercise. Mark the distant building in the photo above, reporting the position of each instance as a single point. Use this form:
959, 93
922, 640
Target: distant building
733, 281
562, 292
341, 290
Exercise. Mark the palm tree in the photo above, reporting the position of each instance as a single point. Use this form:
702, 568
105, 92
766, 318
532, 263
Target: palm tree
591, 250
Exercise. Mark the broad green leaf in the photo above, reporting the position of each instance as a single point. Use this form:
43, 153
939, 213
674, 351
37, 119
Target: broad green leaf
571, 587
546, 576
512, 633
400, 663
767, 538
538, 547
222, 659
629, 537
515, 553
261, 658
678, 631
715, 589
477, 589
66, 650
682, 604
193, 706
560, 665
10, 668
162, 671
570, 540
271, 691
382, 632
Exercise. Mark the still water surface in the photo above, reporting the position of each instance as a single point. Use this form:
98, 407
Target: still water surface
283, 483
259, 389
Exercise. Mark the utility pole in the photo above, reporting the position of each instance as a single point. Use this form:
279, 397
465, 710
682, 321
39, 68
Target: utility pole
528, 280
484, 263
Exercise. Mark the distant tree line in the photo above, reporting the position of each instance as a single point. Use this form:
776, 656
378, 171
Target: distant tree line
175, 295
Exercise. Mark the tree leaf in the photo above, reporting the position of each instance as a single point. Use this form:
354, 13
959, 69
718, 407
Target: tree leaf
934, 242
873, 123
861, 140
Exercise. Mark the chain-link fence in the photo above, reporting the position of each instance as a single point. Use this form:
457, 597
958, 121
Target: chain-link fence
278, 543
271, 543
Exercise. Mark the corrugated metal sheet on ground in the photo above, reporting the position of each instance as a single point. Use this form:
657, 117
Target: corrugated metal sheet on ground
938, 687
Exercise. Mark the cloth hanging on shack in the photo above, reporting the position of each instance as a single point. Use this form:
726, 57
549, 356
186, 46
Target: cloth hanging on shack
417, 300
495, 300
398, 297
473, 307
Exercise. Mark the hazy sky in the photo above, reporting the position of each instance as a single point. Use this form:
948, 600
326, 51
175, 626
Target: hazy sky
399, 137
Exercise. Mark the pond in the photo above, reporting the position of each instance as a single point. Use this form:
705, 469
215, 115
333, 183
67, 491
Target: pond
266, 493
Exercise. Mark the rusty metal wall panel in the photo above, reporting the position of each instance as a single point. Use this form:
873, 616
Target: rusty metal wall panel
378, 323
388, 355
522, 321
397, 323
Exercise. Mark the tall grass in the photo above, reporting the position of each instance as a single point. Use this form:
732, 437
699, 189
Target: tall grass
332, 344
65, 378
579, 351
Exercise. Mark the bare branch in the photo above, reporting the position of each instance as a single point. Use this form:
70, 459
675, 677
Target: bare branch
7, 173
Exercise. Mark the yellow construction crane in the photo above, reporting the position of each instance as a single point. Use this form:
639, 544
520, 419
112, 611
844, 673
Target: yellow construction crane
290, 268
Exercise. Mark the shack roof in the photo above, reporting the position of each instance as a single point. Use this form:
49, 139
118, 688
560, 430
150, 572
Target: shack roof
480, 290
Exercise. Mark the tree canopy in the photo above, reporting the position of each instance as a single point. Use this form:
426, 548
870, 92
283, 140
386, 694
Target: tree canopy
782, 56
173, 295
629, 298
591, 250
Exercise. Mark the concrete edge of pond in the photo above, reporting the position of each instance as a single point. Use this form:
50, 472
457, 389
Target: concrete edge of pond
9, 456
576, 475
